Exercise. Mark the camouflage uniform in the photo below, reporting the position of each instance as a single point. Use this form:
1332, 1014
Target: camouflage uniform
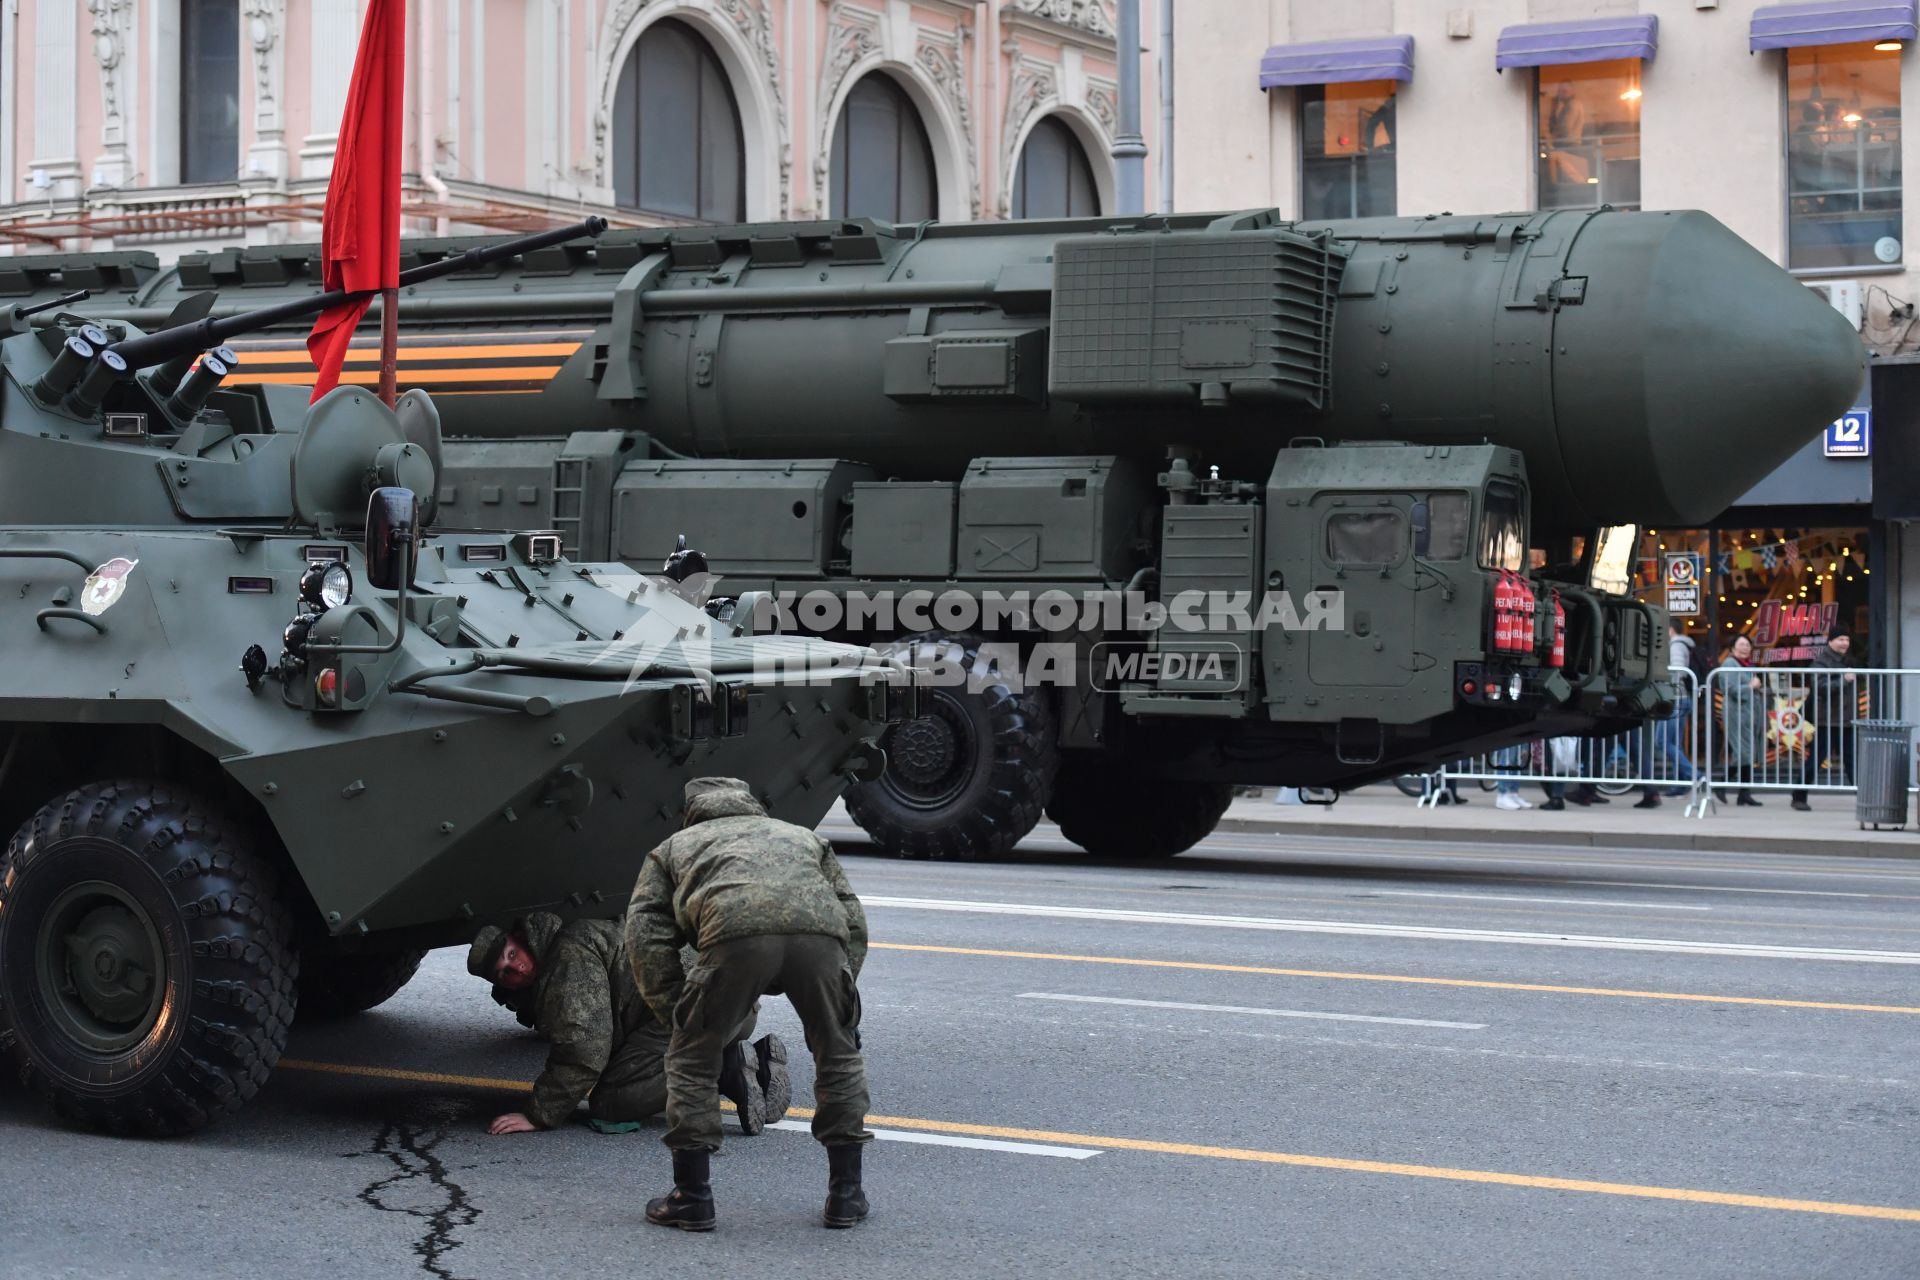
606, 1046
771, 912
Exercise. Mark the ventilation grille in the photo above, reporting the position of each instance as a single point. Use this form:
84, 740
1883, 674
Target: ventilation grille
1157, 318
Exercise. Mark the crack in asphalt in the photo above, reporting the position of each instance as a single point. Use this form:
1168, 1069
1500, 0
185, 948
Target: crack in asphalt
410, 1149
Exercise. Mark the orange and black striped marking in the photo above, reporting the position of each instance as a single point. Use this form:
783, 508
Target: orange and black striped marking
442, 363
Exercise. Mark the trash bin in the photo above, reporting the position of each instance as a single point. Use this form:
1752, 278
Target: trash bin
1880, 771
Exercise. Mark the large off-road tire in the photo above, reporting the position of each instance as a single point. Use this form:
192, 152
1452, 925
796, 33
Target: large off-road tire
970, 775
1109, 810
335, 986
146, 981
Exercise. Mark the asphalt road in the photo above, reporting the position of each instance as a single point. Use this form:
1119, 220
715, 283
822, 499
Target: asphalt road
1330, 1058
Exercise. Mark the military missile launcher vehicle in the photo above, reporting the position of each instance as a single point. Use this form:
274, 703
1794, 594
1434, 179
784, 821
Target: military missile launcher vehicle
266, 734
1427, 438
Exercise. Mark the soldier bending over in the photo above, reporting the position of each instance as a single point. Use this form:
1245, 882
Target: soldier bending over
605, 1046
771, 912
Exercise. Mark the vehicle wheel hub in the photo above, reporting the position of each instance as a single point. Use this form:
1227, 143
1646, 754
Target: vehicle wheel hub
100, 967
928, 757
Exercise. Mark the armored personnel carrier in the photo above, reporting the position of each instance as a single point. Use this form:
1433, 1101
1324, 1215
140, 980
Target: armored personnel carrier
266, 733
1447, 424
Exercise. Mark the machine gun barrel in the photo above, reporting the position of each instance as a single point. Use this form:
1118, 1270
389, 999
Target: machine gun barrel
78, 295
169, 344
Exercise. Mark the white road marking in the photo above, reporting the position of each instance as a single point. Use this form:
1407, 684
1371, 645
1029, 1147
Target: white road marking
1729, 888
1508, 897
1434, 933
950, 1140
1265, 1013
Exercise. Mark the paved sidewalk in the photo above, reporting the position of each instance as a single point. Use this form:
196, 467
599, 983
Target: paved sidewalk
1381, 811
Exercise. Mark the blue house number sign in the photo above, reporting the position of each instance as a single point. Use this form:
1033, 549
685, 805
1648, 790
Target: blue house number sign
1851, 436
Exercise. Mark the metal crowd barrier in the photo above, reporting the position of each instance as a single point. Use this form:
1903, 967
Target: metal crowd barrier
1793, 729
1664, 755
1771, 729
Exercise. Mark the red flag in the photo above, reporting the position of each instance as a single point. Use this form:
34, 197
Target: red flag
360, 230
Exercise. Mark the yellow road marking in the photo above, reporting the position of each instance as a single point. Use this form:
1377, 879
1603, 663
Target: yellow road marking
417, 1077
465, 351
410, 375
1483, 984
1247, 1154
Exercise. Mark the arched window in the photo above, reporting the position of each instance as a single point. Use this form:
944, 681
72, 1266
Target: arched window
677, 146
882, 161
1054, 178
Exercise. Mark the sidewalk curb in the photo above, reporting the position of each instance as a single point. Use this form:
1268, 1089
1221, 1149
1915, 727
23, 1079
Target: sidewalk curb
1705, 839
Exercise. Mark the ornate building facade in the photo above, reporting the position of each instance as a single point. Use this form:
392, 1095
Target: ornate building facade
178, 125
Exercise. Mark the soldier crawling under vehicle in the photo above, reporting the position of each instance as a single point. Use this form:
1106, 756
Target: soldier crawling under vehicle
575, 983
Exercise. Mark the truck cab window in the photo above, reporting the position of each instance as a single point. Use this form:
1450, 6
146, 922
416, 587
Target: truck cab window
1452, 518
1503, 531
1613, 557
1366, 537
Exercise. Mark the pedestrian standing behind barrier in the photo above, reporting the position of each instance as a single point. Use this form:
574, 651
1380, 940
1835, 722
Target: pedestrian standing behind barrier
771, 912
1743, 717
1661, 739
1832, 704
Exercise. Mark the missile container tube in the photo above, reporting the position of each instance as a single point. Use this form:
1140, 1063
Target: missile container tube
1403, 445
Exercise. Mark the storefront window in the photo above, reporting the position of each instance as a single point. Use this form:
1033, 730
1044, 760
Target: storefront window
1346, 150
1843, 156
1589, 135
1785, 588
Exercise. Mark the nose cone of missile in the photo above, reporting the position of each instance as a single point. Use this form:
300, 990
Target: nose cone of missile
1692, 368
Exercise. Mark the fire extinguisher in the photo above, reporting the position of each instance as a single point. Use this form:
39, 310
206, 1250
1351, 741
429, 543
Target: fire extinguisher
1502, 611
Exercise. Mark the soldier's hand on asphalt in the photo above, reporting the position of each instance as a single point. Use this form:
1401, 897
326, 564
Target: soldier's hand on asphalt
512, 1122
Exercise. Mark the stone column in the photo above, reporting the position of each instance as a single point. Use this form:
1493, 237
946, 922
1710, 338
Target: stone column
111, 27
263, 28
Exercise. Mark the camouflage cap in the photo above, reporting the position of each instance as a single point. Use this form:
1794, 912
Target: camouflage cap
483, 957
707, 786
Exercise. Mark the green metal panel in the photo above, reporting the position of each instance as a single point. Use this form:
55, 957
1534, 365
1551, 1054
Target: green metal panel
750, 518
1049, 517
903, 529
1212, 554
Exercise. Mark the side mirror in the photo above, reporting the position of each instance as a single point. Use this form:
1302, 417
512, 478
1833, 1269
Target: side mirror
1422, 517
390, 526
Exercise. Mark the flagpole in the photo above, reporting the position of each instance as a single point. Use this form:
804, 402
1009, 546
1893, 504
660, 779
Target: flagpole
389, 345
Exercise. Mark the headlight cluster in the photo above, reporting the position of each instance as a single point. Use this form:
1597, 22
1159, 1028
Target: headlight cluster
327, 584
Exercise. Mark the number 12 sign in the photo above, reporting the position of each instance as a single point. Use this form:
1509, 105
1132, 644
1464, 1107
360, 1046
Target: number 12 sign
1851, 436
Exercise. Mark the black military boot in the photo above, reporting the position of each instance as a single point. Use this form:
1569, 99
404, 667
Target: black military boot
689, 1206
740, 1085
846, 1202
776, 1087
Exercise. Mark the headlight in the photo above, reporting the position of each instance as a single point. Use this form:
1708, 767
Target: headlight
327, 584
1513, 687
294, 638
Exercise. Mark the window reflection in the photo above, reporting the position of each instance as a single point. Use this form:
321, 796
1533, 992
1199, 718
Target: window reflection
1451, 516
1366, 537
1347, 150
1503, 530
1589, 135
1843, 156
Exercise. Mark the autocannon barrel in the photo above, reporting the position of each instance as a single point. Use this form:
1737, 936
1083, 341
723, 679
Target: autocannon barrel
171, 344
1651, 367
